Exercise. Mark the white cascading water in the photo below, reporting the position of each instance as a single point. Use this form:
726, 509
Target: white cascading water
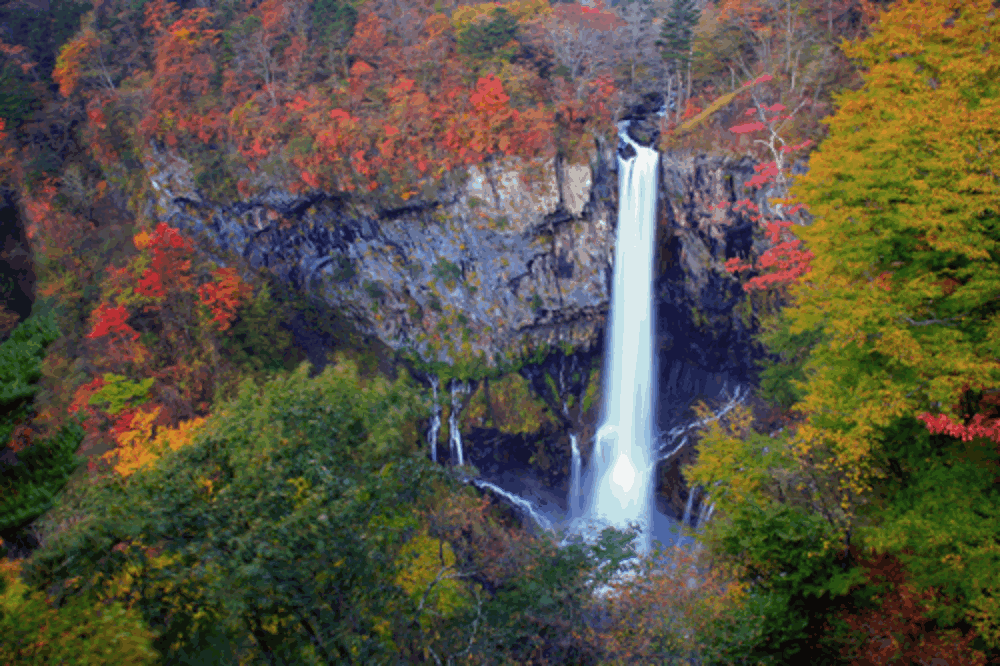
517, 501
574, 483
687, 516
432, 436
620, 475
454, 432
623, 461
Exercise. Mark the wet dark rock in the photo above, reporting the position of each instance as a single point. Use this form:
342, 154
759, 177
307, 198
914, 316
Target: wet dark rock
645, 132
17, 266
625, 151
649, 106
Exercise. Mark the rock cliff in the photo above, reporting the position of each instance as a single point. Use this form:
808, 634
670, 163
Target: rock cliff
511, 257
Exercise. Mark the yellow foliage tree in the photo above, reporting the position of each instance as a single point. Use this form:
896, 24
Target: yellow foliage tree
905, 276
138, 446
428, 573
428, 577
522, 10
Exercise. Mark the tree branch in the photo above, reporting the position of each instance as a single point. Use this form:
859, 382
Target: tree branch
928, 322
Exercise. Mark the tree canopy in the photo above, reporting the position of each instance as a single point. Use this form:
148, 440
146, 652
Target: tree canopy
905, 277
899, 317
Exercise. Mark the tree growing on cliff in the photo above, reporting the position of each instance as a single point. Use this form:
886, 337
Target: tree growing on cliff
676, 42
634, 43
333, 24
582, 44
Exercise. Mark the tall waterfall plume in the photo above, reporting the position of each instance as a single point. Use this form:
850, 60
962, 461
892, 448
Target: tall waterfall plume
624, 457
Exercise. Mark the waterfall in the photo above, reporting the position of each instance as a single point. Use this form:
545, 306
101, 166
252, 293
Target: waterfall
686, 518
519, 502
687, 508
432, 435
624, 459
574, 484
703, 514
455, 435
707, 516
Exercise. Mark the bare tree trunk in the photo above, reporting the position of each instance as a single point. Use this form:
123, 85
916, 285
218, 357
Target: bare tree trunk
788, 37
689, 80
679, 102
687, 92
795, 70
104, 69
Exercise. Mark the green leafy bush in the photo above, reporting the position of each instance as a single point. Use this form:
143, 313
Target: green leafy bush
447, 271
796, 584
18, 102
117, 391
333, 22
28, 489
940, 517
782, 371
258, 343
82, 632
263, 537
20, 367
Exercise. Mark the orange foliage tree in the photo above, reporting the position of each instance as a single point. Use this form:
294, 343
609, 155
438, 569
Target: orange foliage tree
157, 293
409, 110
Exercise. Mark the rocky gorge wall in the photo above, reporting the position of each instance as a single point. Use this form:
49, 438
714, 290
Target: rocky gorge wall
511, 258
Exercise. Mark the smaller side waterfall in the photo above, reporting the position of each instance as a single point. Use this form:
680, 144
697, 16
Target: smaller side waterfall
687, 516
519, 502
574, 483
705, 512
681, 432
432, 435
455, 435
703, 519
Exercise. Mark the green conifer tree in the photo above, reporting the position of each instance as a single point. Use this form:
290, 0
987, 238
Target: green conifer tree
677, 32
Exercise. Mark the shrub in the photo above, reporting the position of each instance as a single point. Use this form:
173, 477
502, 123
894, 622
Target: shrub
82, 632
263, 536
491, 39
29, 488
940, 520
796, 583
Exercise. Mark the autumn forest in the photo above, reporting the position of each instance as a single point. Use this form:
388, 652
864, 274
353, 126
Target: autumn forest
181, 486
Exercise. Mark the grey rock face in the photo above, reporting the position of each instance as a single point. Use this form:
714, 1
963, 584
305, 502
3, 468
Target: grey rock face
704, 342
512, 254
515, 254
702, 311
